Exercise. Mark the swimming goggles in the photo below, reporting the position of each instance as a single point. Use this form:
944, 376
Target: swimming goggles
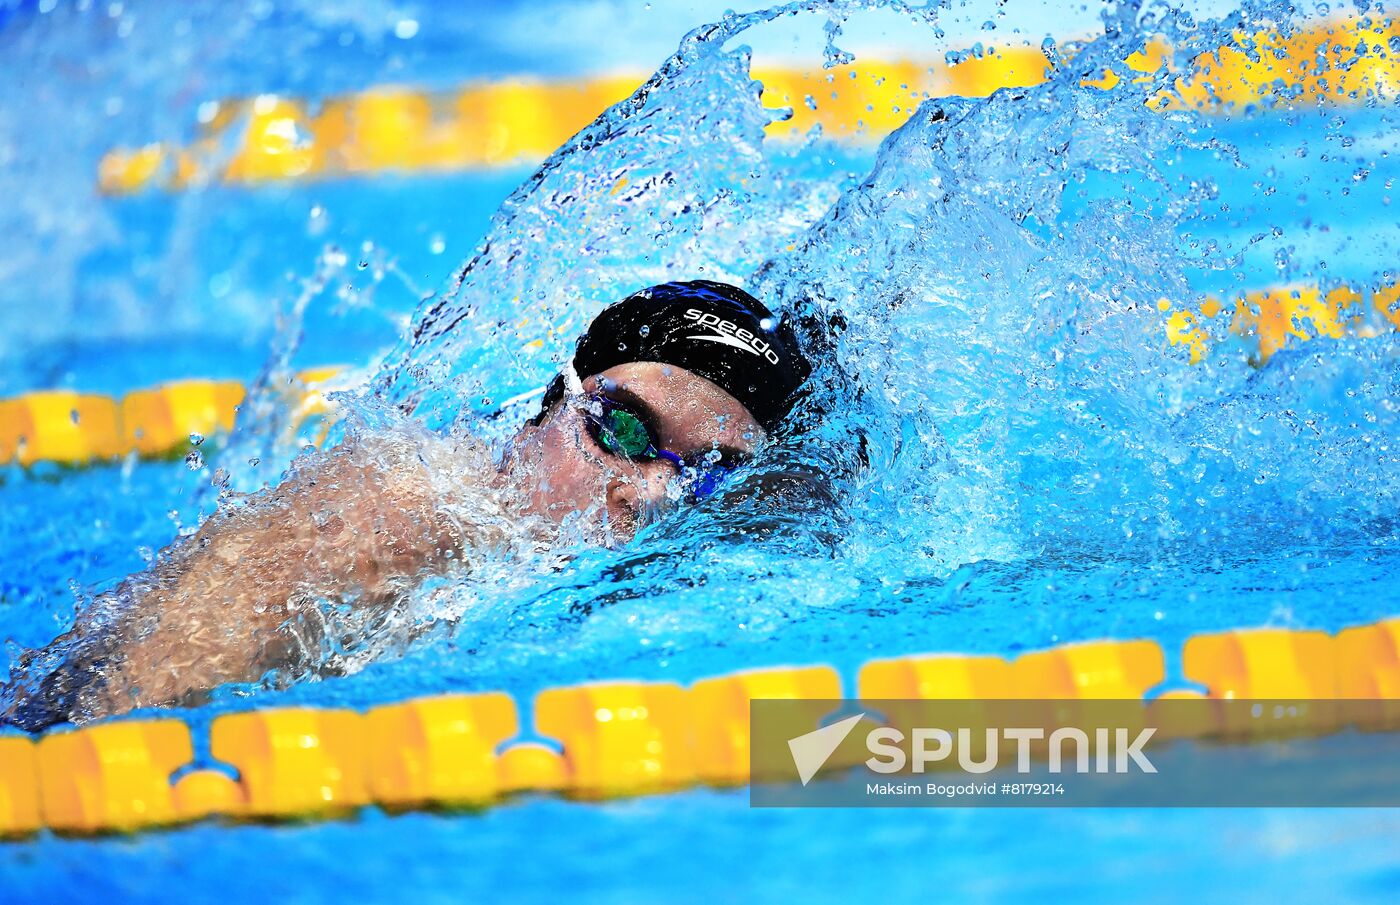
623, 432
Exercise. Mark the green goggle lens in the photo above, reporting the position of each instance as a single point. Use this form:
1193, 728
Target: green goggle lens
624, 433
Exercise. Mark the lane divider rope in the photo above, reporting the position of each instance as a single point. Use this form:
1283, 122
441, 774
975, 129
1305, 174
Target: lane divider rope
75, 429
626, 738
269, 138
1270, 320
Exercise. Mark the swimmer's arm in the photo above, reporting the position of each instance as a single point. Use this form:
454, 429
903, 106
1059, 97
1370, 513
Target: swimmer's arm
355, 524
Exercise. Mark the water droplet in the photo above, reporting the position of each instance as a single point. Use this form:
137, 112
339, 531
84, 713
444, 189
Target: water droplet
220, 284
644, 330
194, 460
196, 439
335, 257
253, 462
622, 347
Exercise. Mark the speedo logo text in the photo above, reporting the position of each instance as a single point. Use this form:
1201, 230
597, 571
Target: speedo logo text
730, 334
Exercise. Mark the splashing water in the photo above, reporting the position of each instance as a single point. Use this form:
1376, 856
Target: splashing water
1016, 456
999, 272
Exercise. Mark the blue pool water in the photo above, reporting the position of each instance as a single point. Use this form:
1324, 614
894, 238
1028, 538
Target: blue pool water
1043, 467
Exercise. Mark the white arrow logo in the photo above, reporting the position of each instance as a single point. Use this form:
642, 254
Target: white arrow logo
810, 751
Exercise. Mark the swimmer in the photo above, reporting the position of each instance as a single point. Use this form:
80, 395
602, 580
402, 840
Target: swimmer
668, 391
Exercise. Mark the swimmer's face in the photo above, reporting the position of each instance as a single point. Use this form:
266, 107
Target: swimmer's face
564, 470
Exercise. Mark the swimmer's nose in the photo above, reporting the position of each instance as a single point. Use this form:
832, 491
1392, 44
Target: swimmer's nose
630, 497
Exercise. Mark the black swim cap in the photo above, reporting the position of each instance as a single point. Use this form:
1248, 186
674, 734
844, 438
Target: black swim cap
715, 330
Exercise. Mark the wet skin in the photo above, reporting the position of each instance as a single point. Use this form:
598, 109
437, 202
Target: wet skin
361, 523
566, 471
